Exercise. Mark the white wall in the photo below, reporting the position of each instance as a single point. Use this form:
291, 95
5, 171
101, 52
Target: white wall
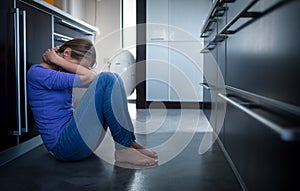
74, 7
106, 16
129, 26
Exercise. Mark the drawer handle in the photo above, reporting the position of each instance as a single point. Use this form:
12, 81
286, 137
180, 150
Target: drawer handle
214, 42
206, 86
252, 15
206, 28
216, 11
158, 38
286, 134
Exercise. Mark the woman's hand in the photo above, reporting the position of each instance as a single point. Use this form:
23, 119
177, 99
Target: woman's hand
50, 56
69, 64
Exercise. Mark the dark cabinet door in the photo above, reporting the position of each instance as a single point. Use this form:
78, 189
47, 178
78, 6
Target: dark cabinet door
38, 32
25, 36
37, 27
263, 57
263, 160
9, 51
221, 75
209, 72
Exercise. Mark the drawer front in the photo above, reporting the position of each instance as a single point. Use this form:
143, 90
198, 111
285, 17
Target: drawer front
221, 49
206, 100
213, 33
263, 160
210, 81
222, 17
210, 67
263, 57
235, 8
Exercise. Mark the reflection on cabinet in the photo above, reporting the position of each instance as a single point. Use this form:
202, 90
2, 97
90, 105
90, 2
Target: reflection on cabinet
253, 43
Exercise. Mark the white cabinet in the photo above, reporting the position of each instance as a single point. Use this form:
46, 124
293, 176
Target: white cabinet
185, 16
185, 71
157, 20
157, 86
174, 63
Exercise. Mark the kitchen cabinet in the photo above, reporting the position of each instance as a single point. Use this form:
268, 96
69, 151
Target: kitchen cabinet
264, 159
185, 71
158, 18
24, 25
258, 58
29, 28
214, 67
166, 26
157, 72
267, 66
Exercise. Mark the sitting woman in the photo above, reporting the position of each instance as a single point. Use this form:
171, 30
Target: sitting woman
73, 134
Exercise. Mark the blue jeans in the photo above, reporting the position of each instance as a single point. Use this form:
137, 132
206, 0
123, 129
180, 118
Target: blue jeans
103, 105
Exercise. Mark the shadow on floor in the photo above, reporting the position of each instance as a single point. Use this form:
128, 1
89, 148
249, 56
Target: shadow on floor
38, 170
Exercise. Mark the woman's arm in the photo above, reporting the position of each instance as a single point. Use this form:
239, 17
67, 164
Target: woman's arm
86, 75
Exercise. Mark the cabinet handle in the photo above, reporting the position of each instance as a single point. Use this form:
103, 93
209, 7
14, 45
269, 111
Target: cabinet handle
214, 42
158, 38
252, 15
286, 134
68, 24
206, 86
217, 10
206, 28
25, 130
16, 13
242, 14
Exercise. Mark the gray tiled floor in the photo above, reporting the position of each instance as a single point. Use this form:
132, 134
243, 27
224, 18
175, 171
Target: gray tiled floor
186, 170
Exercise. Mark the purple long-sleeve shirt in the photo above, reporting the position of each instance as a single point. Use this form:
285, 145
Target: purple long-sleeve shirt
50, 97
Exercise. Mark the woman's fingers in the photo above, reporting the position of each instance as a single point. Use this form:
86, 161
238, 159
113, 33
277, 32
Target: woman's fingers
56, 48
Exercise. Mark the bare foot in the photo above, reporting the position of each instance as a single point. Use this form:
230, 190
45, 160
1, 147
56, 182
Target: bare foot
143, 150
132, 156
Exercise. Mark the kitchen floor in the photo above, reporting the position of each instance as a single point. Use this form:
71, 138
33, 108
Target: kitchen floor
175, 134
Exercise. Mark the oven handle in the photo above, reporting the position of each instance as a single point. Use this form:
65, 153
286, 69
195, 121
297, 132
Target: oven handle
286, 134
61, 38
70, 25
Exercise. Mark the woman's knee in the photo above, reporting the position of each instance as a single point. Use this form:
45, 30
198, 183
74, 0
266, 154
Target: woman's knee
108, 77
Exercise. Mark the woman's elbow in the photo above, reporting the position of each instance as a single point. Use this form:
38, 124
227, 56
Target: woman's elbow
88, 79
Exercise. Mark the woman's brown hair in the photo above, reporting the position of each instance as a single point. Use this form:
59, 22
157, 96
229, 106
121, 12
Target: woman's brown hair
81, 48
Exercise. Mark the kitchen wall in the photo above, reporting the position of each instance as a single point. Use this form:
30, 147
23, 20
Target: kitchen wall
106, 16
